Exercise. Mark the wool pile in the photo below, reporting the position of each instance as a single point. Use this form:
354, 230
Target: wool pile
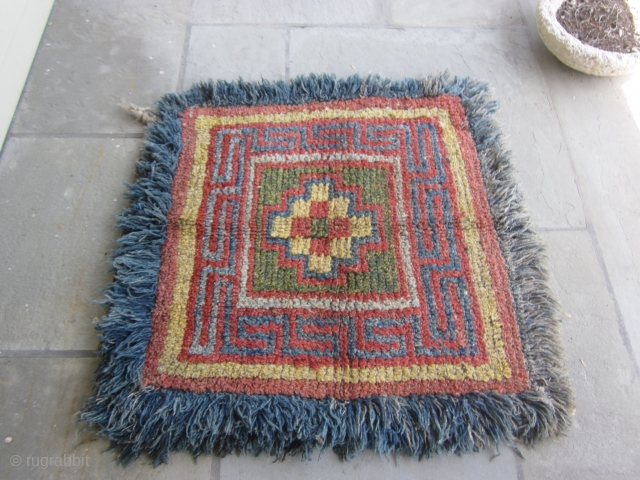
327, 263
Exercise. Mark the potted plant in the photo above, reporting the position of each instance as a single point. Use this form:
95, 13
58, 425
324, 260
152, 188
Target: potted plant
598, 37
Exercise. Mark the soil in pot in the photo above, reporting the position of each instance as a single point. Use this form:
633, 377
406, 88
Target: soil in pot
604, 24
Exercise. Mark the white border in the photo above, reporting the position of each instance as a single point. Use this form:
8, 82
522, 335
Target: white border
326, 303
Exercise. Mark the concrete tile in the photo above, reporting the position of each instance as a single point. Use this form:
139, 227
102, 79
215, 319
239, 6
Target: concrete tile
40, 399
58, 201
501, 57
93, 55
370, 466
227, 53
456, 13
603, 442
114, 21
604, 141
336, 12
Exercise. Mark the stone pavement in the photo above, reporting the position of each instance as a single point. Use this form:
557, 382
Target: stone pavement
70, 150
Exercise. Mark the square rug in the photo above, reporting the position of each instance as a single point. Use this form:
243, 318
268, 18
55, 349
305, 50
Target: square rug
327, 263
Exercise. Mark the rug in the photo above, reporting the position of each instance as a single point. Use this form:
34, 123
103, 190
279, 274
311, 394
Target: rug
327, 263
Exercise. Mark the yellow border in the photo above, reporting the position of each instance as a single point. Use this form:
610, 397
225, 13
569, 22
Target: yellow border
496, 369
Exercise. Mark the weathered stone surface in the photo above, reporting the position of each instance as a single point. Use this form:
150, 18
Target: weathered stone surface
369, 466
455, 13
228, 53
96, 53
40, 401
314, 12
58, 201
602, 443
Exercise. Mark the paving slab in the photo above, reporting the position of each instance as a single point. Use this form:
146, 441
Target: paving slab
228, 53
40, 399
454, 13
501, 57
313, 12
369, 466
603, 140
58, 201
603, 442
94, 54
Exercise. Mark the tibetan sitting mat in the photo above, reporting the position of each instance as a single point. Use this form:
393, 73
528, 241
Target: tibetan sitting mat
327, 263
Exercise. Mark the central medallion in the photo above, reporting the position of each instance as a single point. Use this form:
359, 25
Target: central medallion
325, 232
325, 229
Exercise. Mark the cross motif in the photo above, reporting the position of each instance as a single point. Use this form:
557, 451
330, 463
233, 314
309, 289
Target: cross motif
324, 227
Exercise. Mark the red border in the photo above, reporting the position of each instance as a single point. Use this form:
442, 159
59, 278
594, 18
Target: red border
518, 382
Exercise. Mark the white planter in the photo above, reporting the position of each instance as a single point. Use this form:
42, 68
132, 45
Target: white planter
574, 53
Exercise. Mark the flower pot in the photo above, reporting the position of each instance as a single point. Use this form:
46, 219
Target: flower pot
578, 55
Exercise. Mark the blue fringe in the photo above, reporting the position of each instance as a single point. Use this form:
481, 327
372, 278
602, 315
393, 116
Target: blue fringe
141, 419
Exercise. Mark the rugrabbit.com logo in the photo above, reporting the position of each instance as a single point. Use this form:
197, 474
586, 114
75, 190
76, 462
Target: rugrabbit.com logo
48, 462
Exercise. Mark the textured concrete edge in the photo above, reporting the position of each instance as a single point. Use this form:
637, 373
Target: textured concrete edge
139, 419
48, 354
